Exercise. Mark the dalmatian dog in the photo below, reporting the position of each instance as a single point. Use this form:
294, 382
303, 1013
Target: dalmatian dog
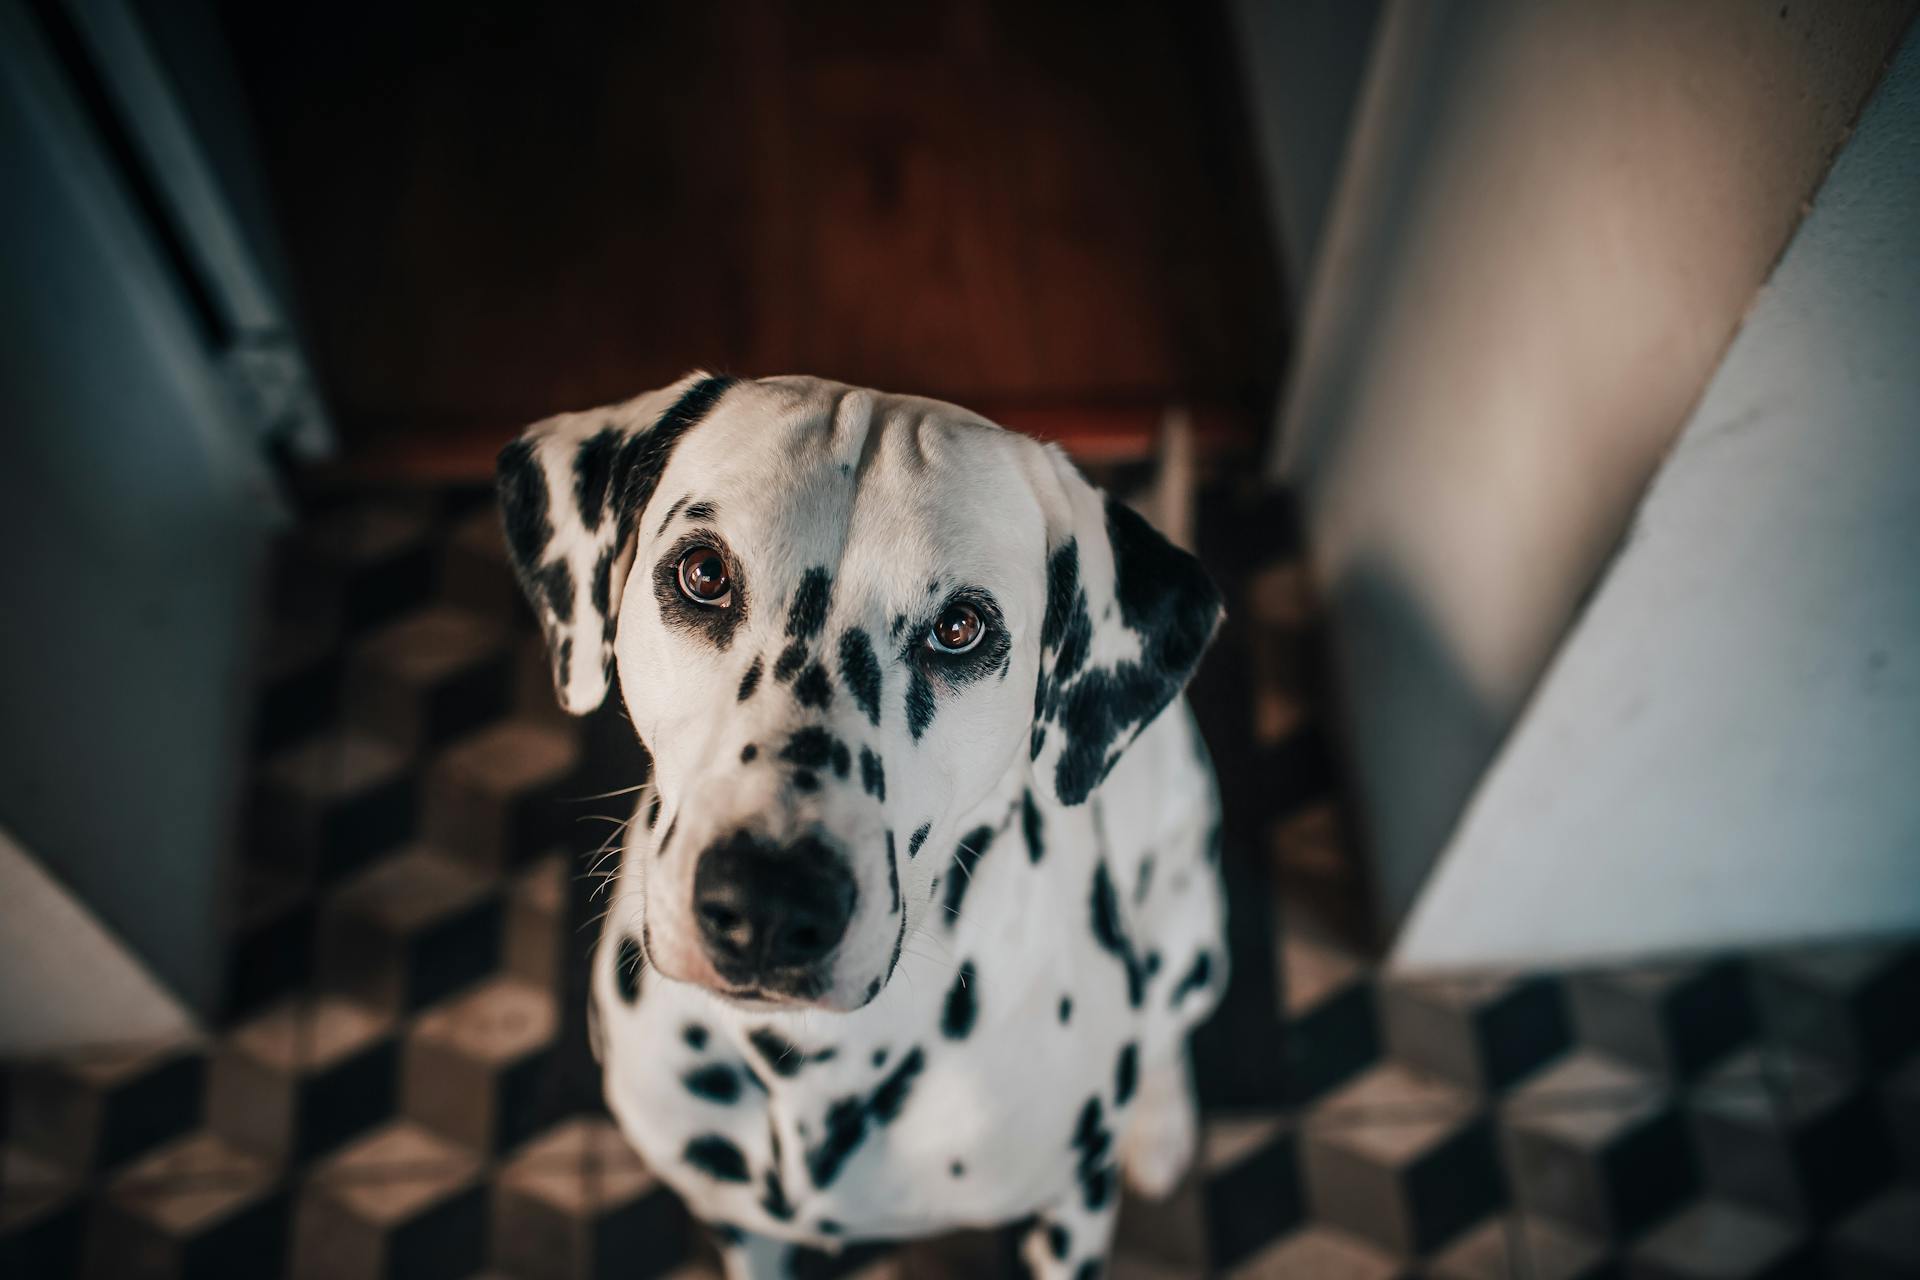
915, 914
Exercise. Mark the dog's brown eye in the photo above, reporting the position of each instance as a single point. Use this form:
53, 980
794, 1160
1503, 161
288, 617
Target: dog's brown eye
703, 576
957, 630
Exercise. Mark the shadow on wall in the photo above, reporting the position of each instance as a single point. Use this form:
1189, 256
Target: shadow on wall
1421, 737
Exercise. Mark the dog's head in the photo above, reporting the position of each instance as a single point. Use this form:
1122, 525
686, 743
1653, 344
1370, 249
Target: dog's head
840, 620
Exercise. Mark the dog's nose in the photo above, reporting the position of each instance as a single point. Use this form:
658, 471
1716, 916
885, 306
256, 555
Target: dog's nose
764, 906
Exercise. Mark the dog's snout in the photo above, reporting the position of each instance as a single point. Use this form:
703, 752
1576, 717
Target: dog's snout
766, 907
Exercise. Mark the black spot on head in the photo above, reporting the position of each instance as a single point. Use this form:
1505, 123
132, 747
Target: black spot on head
933, 586
873, 989
672, 511
636, 471
920, 701
1089, 1270
716, 1157
1059, 1242
715, 1082
701, 511
812, 746
1063, 587
1111, 933
842, 759
873, 777
879, 1058
748, 752
555, 585
749, 682
1031, 827
962, 1005
1126, 1074
602, 595
918, 838
695, 1035
1152, 963
1066, 1008
626, 968
728, 1235
957, 1169
1196, 978
788, 664
809, 612
593, 473
966, 857
805, 780
861, 670
899, 625
1144, 881
814, 688
828, 1227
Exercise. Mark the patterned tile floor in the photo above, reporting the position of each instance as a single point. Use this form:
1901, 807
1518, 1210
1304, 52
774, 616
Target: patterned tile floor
402, 1089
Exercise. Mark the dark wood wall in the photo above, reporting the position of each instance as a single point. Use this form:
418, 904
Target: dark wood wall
496, 211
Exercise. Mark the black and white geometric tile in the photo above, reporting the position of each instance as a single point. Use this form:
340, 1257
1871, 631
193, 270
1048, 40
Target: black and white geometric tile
402, 1087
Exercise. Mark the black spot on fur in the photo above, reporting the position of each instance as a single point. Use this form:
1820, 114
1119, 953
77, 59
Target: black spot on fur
602, 592
813, 746
814, 688
1066, 1008
636, 471
748, 752
626, 969
1168, 600
828, 1227
848, 1120
701, 511
788, 664
805, 780
695, 1035
918, 838
1111, 933
861, 670
716, 1157
1196, 978
782, 1056
1059, 1242
966, 857
1144, 880
957, 1169
899, 625
1126, 1074
555, 585
873, 777
715, 1082
809, 612
893, 870
523, 505
773, 1197
672, 511
1089, 1270
920, 701
962, 1005
1031, 827
749, 682
873, 989
842, 759
1094, 1145
879, 1058
727, 1234
593, 474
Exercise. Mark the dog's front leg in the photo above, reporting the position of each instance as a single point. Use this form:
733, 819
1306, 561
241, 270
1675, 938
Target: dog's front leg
1069, 1240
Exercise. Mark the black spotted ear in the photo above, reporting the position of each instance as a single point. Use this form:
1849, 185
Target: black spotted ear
1128, 617
572, 488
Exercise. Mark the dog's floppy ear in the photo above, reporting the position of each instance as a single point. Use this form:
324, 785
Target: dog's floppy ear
1128, 617
572, 488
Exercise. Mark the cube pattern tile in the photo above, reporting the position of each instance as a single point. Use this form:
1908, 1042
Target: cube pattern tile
402, 1086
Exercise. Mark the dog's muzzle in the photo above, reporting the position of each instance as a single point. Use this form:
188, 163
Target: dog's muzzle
771, 914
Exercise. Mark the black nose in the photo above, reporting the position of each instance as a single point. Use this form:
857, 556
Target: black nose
765, 907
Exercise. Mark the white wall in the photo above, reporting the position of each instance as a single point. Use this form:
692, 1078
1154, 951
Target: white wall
1727, 749
1551, 217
